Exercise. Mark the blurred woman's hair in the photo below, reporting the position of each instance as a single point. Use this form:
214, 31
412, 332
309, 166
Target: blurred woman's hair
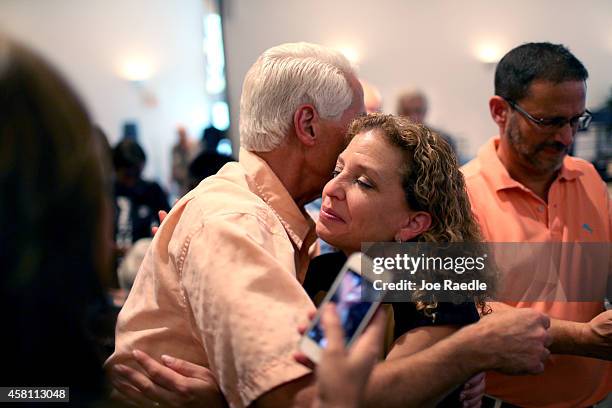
54, 224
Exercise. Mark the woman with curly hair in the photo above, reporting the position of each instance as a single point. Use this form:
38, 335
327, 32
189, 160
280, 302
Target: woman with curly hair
398, 181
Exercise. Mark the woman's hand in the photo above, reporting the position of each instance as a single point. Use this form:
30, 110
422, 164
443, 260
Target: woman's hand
175, 383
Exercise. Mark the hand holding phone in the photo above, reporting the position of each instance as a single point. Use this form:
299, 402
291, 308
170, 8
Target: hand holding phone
342, 375
353, 313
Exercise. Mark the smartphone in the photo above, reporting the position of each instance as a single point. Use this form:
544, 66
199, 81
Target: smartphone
354, 313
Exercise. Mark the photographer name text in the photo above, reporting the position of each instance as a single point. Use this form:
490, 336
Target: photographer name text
445, 285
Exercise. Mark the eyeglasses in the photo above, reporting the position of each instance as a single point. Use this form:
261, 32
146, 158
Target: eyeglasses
579, 122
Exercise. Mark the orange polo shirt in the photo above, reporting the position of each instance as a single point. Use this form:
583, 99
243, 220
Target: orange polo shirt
578, 210
220, 284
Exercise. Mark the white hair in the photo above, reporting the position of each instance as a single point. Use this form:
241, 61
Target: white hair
285, 77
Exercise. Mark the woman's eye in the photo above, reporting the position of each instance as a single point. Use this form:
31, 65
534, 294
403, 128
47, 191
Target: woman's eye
364, 184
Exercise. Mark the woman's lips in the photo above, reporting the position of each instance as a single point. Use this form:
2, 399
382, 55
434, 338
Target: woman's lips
329, 214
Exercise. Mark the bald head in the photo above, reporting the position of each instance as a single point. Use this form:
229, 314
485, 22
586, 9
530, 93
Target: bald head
412, 104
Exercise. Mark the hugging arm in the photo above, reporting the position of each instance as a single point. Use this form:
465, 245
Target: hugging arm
587, 339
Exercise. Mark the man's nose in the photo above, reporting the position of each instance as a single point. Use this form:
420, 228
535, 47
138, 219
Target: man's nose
565, 134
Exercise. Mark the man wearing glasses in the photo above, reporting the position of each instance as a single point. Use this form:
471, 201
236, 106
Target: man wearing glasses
524, 187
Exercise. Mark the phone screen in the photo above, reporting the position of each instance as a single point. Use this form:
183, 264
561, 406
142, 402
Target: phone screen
351, 310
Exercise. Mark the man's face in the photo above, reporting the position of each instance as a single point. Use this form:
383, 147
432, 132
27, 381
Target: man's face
534, 147
334, 133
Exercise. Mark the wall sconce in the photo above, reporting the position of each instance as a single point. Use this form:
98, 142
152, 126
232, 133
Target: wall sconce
138, 71
489, 54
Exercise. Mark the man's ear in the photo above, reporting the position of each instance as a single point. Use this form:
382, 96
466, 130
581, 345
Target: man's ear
414, 226
499, 109
304, 121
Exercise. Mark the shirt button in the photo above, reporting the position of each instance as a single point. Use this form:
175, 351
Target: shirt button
540, 208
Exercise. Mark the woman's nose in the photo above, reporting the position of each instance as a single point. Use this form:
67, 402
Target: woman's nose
334, 188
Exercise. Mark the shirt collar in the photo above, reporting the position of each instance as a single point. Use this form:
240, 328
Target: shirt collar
493, 169
269, 188
569, 169
496, 173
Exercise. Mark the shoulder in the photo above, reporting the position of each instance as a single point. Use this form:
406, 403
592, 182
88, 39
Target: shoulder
586, 168
588, 178
220, 208
472, 170
331, 261
227, 197
407, 317
476, 184
322, 272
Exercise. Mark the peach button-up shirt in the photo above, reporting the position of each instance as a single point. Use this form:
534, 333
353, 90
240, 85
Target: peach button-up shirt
221, 284
577, 210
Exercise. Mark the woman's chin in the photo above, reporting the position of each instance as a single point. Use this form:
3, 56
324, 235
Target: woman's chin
322, 231
326, 235
334, 239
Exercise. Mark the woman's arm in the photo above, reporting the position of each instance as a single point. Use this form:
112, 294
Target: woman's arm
421, 338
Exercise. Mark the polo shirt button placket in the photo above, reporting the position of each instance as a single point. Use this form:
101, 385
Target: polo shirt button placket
553, 222
542, 214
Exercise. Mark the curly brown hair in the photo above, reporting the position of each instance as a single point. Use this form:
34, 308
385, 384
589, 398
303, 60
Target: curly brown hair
432, 182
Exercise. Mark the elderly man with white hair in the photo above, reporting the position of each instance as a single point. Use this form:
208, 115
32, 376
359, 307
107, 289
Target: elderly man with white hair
221, 284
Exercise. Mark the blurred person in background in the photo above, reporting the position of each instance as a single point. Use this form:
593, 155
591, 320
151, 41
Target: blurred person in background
205, 165
211, 136
182, 154
413, 104
372, 97
55, 230
128, 268
137, 201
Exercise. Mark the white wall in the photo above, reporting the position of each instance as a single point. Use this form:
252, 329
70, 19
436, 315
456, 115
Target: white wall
426, 43
89, 40
401, 43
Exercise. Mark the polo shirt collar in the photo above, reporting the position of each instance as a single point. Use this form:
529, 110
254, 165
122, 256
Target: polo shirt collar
493, 169
497, 174
569, 169
269, 188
